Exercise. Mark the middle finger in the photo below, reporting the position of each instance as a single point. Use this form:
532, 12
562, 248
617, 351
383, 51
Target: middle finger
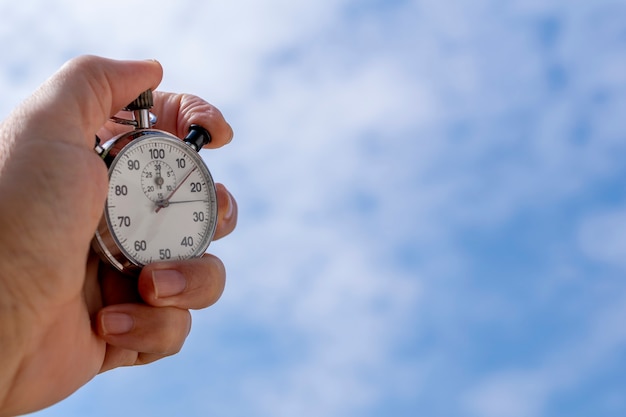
189, 284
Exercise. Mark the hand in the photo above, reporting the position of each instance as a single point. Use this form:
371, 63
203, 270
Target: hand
64, 315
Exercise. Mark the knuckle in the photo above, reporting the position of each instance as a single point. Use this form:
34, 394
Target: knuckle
182, 327
206, 284
217, 281
84, 64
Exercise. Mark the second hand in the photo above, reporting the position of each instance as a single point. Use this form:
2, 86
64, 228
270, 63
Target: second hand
166, 201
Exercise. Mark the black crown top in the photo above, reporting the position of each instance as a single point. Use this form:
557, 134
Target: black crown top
144, 101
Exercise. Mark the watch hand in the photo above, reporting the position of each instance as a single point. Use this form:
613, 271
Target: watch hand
166, 201
187, 201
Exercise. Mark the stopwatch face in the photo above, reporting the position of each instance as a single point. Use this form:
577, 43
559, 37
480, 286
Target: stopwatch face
161, 205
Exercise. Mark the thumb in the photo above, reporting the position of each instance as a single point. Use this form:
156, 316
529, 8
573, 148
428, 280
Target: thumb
53, 184
84, 93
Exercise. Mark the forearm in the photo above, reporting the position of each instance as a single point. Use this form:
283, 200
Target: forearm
12, 351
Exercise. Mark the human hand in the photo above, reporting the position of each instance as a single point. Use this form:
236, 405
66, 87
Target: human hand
64, 315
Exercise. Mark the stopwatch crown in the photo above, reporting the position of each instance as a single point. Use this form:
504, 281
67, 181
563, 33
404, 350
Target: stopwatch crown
197, 137
143, 102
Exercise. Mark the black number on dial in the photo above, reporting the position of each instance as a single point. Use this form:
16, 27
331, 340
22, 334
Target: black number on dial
124, 221
157, 153
196, 187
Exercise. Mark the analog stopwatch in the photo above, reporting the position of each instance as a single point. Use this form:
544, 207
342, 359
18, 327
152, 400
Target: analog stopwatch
162, 202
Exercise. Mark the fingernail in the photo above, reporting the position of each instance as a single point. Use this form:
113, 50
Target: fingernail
231, 207
168, 283
116, 323
232, 135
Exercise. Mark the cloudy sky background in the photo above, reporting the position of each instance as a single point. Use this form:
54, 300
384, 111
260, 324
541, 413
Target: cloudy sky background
432, 202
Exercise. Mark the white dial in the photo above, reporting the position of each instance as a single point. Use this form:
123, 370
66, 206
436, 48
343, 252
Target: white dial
161, 204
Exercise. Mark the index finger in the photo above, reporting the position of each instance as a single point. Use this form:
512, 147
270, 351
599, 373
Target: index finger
177, 112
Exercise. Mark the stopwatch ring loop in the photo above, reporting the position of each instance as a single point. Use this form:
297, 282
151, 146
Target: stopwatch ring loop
132, 122
121, 121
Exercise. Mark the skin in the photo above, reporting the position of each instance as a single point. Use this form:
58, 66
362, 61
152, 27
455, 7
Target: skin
64, 315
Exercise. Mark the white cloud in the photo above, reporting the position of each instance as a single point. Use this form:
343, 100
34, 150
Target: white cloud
602, 237
520, 394
531, 391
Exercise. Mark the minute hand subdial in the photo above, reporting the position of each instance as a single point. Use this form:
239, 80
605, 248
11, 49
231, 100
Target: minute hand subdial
166, 201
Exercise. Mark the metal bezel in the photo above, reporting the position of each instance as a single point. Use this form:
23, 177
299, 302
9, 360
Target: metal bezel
106, 243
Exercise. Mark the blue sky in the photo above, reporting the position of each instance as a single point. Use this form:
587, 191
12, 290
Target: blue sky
432, 202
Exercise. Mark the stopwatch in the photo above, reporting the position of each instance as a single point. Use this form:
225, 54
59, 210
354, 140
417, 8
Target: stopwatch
161, 203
